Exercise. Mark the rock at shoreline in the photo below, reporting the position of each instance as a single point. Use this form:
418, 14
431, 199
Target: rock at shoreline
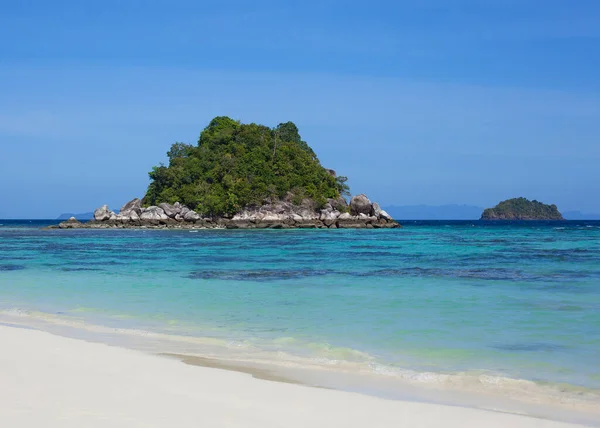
71, 223
191, 216
280, 214
154, 214
135, 205
360, 204
103, 213
170, 210
338, 204
384, 215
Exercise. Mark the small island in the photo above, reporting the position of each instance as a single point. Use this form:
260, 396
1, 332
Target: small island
243, 176
522, 209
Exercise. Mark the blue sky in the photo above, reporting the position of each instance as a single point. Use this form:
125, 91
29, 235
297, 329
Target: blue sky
418, 102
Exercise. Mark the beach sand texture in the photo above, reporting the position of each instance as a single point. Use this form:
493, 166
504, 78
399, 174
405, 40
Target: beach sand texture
52, 381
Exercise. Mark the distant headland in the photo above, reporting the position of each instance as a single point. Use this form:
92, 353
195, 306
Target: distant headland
78, 216
243, 176
522, 209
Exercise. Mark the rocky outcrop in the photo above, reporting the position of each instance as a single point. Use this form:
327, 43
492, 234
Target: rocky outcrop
279, 214
191, 216
103, 213
360, 204
71, 223
171, 210
153, 214
135, 205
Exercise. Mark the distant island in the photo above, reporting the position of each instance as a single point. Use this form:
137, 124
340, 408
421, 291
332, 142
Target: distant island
522, 209
244, 176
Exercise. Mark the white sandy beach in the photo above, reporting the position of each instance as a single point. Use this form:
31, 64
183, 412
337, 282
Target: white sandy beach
52, 381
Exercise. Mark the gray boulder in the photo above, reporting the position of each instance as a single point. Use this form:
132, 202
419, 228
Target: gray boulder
134, 205
245, 215
328, 218
270, 217
103, 213
170, 210
360, 204
376, 210
153, 213
327, 207
191, 216
339, 203
384, 215
308, 214
71, 223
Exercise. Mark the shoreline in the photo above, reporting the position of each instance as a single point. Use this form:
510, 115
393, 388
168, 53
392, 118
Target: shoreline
354, 222
184, 349
65, 382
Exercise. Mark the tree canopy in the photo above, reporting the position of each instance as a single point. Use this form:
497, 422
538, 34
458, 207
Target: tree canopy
235, 165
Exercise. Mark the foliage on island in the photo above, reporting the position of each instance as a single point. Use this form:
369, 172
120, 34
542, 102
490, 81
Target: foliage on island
522, 209
236, 165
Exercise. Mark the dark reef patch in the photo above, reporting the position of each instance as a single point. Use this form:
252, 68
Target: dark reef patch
529, 347
259, 274
476, 273
7, 267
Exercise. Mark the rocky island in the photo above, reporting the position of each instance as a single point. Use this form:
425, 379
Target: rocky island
243, 176
522, 209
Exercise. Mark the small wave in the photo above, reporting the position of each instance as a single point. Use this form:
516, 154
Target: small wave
520, 389
291, 352
15, 312
333, 354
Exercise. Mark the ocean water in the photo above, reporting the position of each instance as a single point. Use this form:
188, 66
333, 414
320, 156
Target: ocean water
508, 308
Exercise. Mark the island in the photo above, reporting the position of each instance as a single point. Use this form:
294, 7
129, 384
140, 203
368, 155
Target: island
522, 209
243, 176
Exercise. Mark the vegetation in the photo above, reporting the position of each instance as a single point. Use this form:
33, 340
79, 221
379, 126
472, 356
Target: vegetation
236, 165
522, 209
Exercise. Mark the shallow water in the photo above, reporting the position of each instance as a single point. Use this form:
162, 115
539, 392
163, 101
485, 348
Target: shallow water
434, 302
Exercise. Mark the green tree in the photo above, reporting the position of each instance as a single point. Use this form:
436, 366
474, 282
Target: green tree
236, 165
180, 150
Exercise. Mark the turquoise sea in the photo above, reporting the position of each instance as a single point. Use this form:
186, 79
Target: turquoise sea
511, 309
